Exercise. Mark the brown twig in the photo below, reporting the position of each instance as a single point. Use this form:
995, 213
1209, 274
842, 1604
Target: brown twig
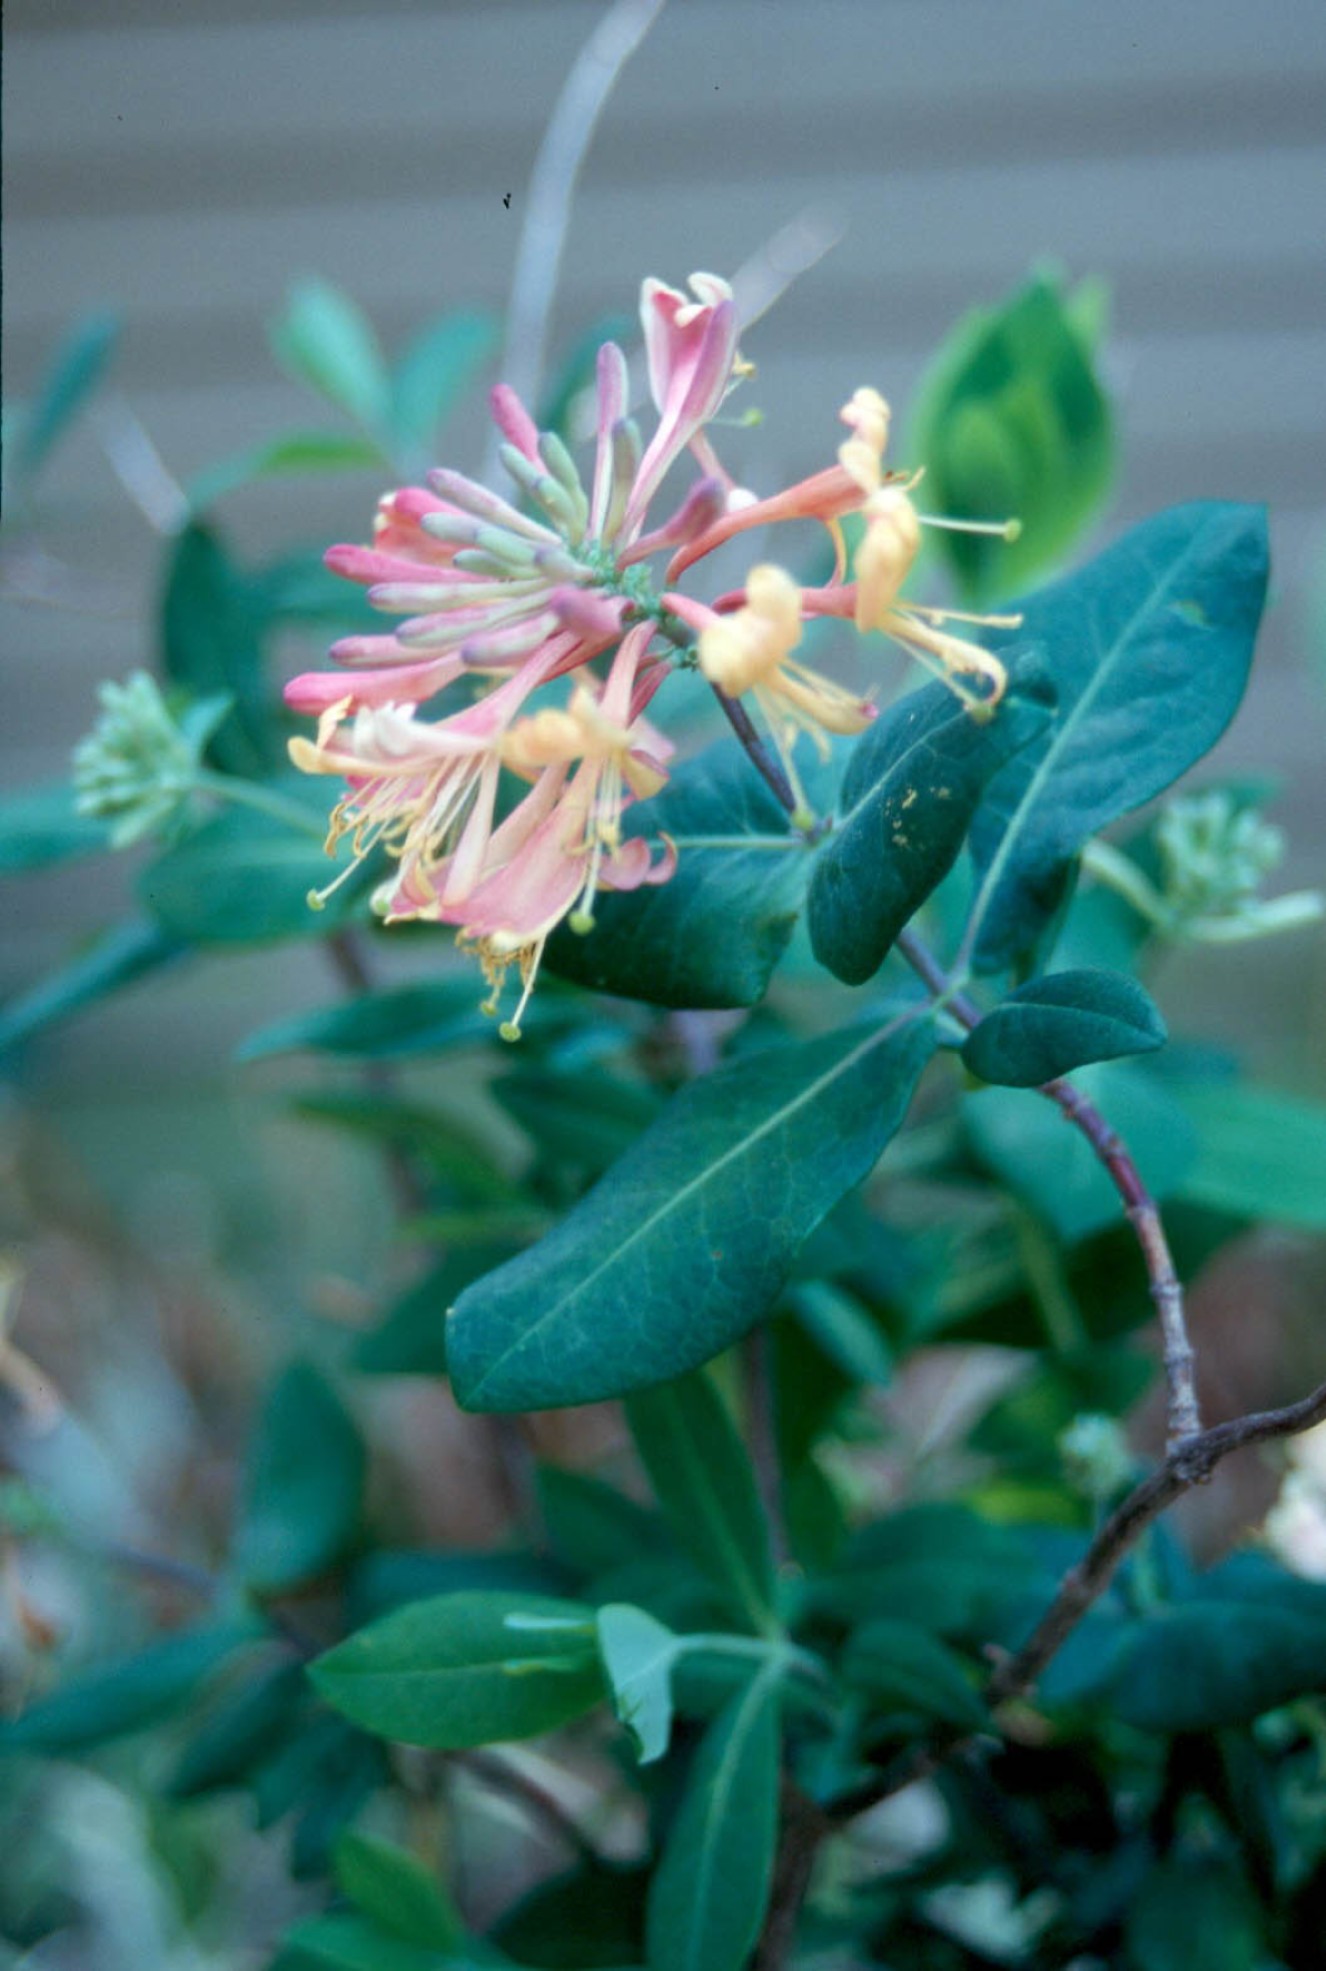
1186, 1466
1112, 1152
760, 757
803, 1825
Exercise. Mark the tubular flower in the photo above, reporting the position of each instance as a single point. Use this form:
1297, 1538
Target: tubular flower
750, 650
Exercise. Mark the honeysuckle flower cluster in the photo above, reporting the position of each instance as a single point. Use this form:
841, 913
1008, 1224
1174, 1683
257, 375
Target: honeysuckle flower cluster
508, 598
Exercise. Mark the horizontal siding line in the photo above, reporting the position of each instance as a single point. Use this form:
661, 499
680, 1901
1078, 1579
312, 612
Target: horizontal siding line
138, 174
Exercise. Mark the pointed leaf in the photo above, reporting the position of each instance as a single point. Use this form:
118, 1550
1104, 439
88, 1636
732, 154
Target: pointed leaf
708, 1898
352, 1943
638, 1654
126, 1696
75, 370
467, 1669
903, 1668
1148, 647
298, 451
394, 1889
119, 957
326, 340
1061, 1021
1013, 422
240, 1732
911, 788
683, 1246
703, 1480
211, 626
40, 826
433, 375
303, 1489
712, 935
432, 1016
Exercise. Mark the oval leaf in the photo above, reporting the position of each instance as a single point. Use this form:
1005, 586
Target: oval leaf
685, 1243
903, 1668
1205, 1664
1149, 648
638, 1654
326, 340
467, 1669
708, 1898
304, 1485
703, 1480
712, 935
1061, 1021
914, 781
126, 1696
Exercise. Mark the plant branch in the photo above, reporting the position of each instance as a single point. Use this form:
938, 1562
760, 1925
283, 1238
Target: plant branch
804, 1825
760, 757
561, 154
762, 1435
1188, 1465
541, 1805
1184, 1417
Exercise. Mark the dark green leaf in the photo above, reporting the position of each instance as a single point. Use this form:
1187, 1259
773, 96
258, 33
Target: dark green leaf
638, 1654
298, 451
76, 369
579, 1119
119, 957
711, 936
708, 1898
126, 1696
1148, 647
703, 1480
1202, 1664
950, 1571
390, 1577
411, 1338
432, 376
843, 1331
326, 341
40, 826
1061, 1021
683, 1246
240, 1731
901, 1667
211, 641
352, 1768
1022, 1427
1195, 1910
911, 788
449, 1148
394, 1890
1013, 423
431, 1017
466, 1669
245, 878
1038, 1154
593, 1527
351, 1943
591, 1920
1260, 1154
304, 1486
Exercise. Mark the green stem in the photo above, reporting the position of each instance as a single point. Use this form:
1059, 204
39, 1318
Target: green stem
263, 800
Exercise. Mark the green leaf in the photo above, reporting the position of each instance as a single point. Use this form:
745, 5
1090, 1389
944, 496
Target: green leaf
74, 373
703, 1481
433, 1016
579, 1119
351, 1943
593, 1527
1061, 1021
433, 375
712, 935
912, 785
1148, 647
240, 1732
127, 1696
638, 1654
952, 1572
1013, 422
395, 1890
708, 1899
40, 826
577, 372
303, 1488
211, 626
119, 957
279, 458
389, 1577
685, 1243
1260, 1154
1201, 1664
410, 1340
843, 1332
901, 1667
246, 878
1030, 1147
590, 1918
466, 1669
325, 340
1195, 1910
